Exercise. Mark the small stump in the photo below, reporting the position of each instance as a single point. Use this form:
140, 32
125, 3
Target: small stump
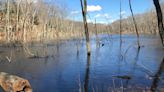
12, 83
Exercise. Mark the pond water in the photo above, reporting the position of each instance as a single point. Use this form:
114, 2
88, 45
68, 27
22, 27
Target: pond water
64, 66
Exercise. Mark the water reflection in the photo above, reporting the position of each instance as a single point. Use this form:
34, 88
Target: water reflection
137, 55
60, 70
157, 77
87, 73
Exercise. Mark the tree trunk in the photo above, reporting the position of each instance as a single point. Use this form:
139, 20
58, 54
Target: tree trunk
84, 12
120, 27
160, 20
135, 24
7, 21
97, 39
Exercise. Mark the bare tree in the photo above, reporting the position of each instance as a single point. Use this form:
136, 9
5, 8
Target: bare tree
120, 26
135, 24
8, 20
84, 12
96, 33
160, 20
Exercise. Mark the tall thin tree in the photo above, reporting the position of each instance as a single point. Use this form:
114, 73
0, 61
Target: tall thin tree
84, 12
96, 33
120, 25
160, 20
135, 24
8, 21
18, 15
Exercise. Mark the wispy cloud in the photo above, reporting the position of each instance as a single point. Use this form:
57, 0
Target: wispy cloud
35, 1
113, 20
75, 12
89, 20
106, 16
29, 1
93, 8
123, 12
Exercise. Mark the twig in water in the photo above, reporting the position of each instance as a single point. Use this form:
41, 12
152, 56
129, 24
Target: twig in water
122, 86
80, 87
113, 84
28, 51
9, 59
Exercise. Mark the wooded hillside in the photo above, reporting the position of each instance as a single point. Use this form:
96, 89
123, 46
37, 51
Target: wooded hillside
25, 21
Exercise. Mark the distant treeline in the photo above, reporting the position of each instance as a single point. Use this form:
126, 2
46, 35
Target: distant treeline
146, 24
25, 20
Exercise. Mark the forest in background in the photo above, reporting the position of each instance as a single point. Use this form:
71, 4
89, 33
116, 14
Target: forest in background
26, 21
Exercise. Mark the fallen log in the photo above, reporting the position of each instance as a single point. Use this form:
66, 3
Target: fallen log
12, 83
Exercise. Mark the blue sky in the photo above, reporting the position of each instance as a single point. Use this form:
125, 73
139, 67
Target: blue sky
106, 11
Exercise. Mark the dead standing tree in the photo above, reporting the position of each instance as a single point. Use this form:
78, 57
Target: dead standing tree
120, 27
84, 12
135, 23
160, 20
8, 20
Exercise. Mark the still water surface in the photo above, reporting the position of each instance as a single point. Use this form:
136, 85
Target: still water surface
64, 66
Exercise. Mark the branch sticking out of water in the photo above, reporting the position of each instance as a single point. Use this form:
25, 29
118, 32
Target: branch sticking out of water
135, 24
28, 51
9, 58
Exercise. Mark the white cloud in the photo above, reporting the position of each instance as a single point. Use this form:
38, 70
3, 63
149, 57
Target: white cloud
102, 22
28, 1
35, 1
112, 20
123, 12
75, 12
106, 16
93, 8
89, 20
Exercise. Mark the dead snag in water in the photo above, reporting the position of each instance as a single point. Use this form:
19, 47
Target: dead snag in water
160, 20
84, 12
97, 39
135, 24
121, 56
120, 23
12, 83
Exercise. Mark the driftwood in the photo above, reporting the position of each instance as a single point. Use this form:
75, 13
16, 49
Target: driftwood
12, 83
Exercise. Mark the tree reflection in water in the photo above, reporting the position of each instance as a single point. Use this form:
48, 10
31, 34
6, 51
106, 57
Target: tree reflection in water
87, 73
157, 78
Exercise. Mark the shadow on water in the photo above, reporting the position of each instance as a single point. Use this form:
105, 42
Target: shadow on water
157, 77
87, 73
